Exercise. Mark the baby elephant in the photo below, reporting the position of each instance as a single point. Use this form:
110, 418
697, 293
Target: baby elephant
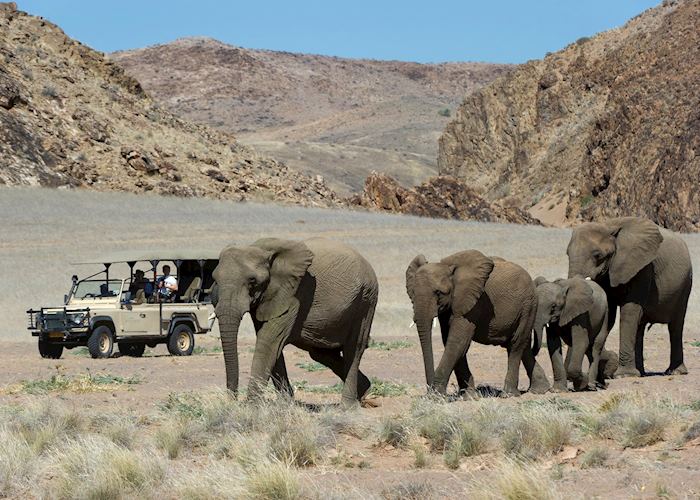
480, 298
576, 311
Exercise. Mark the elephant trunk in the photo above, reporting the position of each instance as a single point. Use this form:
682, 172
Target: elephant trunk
537, 339
425, 334
228, 326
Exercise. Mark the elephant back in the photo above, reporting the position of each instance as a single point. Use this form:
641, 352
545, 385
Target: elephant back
511, 292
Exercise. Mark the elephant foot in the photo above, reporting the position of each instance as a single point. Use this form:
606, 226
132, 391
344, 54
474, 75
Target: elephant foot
627, 371
540, 387
559, 388
679, 370
349, 404
510, 392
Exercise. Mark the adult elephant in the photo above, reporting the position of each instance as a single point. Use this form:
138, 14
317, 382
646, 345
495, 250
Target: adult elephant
575, 311
480, 298
646, 271
318, 295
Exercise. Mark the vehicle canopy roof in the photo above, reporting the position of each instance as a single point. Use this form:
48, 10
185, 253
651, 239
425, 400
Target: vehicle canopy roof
167, 254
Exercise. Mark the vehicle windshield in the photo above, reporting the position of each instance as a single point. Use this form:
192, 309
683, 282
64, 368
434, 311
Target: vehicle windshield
88, 289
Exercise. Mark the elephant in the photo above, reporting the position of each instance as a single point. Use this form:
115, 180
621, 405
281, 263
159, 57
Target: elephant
647, 272
575, 311
480, 298
316, 294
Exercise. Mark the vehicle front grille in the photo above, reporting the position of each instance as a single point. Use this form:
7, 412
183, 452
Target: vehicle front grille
54, 321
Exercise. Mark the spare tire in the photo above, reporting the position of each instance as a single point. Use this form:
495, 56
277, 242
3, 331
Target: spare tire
49, 350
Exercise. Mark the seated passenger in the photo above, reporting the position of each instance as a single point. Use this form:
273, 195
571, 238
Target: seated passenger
167, 285
139, 282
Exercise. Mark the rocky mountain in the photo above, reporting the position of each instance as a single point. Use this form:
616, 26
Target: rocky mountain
70, 117
439, 197
607, 126
339, 118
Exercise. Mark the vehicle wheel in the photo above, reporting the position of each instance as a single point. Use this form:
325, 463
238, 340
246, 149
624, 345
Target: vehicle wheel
101, 342
181, 341
50, 351
133, 349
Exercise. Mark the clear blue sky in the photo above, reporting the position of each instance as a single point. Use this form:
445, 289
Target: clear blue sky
427, 31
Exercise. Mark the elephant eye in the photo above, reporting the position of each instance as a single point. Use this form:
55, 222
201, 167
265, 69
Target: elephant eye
251, 281
598, 256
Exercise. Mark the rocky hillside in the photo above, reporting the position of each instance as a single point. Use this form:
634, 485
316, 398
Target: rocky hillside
69, 117
439, 197
607, 126
340, 118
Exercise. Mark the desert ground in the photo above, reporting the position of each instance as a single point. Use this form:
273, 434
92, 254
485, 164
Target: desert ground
161, 426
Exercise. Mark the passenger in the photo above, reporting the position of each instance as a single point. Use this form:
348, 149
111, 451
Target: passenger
167, 285
139, 282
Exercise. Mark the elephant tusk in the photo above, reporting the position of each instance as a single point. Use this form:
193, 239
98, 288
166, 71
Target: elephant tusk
435, 322
547, 325
413, 323
588, 278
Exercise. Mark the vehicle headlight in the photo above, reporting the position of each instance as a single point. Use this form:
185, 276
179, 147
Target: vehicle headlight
77, 318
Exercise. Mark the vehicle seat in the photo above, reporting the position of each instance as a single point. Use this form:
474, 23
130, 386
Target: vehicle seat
192, 290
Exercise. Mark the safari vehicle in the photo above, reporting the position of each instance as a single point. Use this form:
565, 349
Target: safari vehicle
101, 310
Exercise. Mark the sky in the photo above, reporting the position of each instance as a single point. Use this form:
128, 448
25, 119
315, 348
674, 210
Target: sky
505, 31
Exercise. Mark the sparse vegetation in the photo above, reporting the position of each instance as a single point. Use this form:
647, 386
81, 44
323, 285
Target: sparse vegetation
586, 200
80, 383
394, 431
312, 366
389, 346
444, 112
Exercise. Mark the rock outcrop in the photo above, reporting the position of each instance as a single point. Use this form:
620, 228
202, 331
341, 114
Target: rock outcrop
71, 118
440, 197
608, 126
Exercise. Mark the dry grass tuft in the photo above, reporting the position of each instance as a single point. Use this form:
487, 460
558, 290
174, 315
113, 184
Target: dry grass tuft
537, 431
465, 441
394, 431
16, 463
515, 481
85, 382
94, 467
595, 457
295, 444
409, 490
273, 481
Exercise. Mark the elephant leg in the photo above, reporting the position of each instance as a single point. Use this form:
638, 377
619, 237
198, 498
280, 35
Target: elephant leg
456, 347
596, 377
334, 361
675, 335
554, 347
579, 346
630, 318
639, 348
465, 379
280, 378
510, 386
607, 366
355, 386
538, 380
270, 340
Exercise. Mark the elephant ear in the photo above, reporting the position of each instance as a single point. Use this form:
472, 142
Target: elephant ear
637, 242
417, 262
579, 299
289, 262
471, 271
539, 280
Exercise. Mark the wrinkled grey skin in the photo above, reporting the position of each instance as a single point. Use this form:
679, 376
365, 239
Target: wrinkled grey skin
478, 298
646, 271
575, 311
318, 295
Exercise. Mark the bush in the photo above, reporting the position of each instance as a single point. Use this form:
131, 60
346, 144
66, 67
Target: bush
295, 444
444, 112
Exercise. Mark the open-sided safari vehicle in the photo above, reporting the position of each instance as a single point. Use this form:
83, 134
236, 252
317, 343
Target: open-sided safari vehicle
131, 311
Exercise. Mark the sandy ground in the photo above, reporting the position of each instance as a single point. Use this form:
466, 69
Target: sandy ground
42, 232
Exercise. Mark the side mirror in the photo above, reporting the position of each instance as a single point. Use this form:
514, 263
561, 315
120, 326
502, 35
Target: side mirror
65, 299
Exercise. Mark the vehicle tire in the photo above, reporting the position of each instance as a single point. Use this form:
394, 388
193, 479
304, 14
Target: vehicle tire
49, 350
133, 349
181, 341
101, 342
